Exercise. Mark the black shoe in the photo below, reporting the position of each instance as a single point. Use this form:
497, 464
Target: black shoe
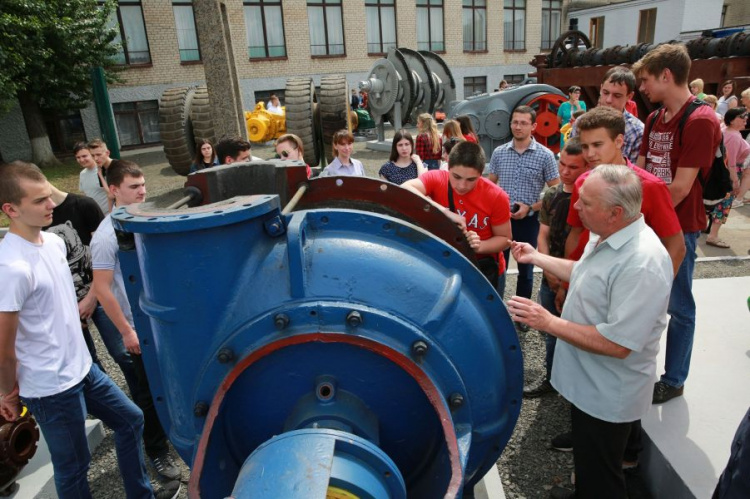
165, 466
168, 490
563, 442
664, 392
543, 388
561, 493
524, 328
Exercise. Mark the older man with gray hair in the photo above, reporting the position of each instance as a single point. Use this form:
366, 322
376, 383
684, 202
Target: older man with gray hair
610, 326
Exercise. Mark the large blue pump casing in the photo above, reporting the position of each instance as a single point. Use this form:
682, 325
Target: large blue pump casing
253, 324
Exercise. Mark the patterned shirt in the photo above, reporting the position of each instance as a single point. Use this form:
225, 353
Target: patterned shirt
633, 136
523, 176
396, 174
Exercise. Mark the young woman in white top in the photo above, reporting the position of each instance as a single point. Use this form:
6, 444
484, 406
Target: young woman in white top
727, 100
343, 164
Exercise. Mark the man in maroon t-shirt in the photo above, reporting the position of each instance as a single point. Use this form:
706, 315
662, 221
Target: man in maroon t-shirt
677, 157
601, 133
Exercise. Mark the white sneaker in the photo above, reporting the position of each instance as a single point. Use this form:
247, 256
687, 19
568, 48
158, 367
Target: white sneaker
738, 203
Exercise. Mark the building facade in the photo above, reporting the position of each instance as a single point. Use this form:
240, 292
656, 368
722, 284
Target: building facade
482, 42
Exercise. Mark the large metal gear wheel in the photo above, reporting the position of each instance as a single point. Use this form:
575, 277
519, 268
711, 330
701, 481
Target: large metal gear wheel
334, 109
418, 64
441, 70
568, 43
301, 116
381, 100
408, 84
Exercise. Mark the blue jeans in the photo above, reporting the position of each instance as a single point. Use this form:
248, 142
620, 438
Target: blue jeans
62, 419
547, 300
432, 164
113, 341
681, 327
525, 230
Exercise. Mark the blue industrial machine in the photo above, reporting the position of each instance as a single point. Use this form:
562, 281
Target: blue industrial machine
319, 353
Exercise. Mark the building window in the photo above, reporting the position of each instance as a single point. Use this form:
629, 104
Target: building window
381, 25
646, 26
475, 85
723, 20
596, 31
131, 36
551, 19
264, 23
137, 122
187, 36
326, 27
475, 25
511, 79
430, 25
514, 25
64, 130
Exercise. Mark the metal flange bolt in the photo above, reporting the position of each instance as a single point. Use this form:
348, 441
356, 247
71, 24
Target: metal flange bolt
281, 321
200, 409
419, 348
354, 319
456, 400
225, 355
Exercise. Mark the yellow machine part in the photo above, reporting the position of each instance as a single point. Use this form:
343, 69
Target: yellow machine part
263, 126
337, 493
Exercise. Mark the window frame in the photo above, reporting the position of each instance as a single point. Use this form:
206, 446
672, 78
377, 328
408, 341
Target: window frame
323, 4
262, 4
135, 112
123, 38
379, 4
514, 8
475, 81
644, 37
184, 3
548, 9
596, 31
473, 8
428, 7
514, 78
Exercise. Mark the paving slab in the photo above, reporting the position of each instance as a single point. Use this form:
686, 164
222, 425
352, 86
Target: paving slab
689, 437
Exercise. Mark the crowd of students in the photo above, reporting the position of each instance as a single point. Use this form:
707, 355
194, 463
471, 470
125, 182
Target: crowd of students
623, 201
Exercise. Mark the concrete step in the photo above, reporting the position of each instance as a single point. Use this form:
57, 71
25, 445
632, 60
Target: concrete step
36, 479
689, 437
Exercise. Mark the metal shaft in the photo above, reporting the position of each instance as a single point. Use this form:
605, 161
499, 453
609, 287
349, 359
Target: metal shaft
293, 202
179, 204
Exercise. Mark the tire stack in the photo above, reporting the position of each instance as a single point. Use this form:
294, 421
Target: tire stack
176, 127
200, 115
334, 109
302, 115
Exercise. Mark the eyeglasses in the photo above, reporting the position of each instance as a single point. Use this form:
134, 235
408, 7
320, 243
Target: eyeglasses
520, 123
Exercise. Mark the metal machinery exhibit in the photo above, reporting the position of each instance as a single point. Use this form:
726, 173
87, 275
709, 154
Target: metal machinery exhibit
18, 444
343, 346
408, 83
573, 61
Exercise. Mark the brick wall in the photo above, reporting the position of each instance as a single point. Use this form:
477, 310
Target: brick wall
167, 70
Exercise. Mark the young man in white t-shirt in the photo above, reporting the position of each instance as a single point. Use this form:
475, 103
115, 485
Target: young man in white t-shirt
91, 179
43, 357
128, 186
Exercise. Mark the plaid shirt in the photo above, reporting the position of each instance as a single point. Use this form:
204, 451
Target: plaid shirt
633, 136
523, 176
424, 147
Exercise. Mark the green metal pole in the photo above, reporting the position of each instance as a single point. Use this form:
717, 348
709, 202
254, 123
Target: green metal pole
104, 112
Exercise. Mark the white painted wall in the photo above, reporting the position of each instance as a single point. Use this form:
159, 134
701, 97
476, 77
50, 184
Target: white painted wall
672, 17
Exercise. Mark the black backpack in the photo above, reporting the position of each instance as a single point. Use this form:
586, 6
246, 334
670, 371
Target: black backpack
716, 183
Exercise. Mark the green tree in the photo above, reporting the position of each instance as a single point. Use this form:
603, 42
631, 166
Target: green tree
47, 50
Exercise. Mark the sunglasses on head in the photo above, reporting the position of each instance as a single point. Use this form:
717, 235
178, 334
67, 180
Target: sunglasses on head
284, 154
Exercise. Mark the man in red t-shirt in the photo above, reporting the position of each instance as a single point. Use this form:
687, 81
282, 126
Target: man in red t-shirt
677, 157
601, 132
481, 208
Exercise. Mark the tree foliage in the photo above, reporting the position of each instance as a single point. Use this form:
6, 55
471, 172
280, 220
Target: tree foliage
48, 47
